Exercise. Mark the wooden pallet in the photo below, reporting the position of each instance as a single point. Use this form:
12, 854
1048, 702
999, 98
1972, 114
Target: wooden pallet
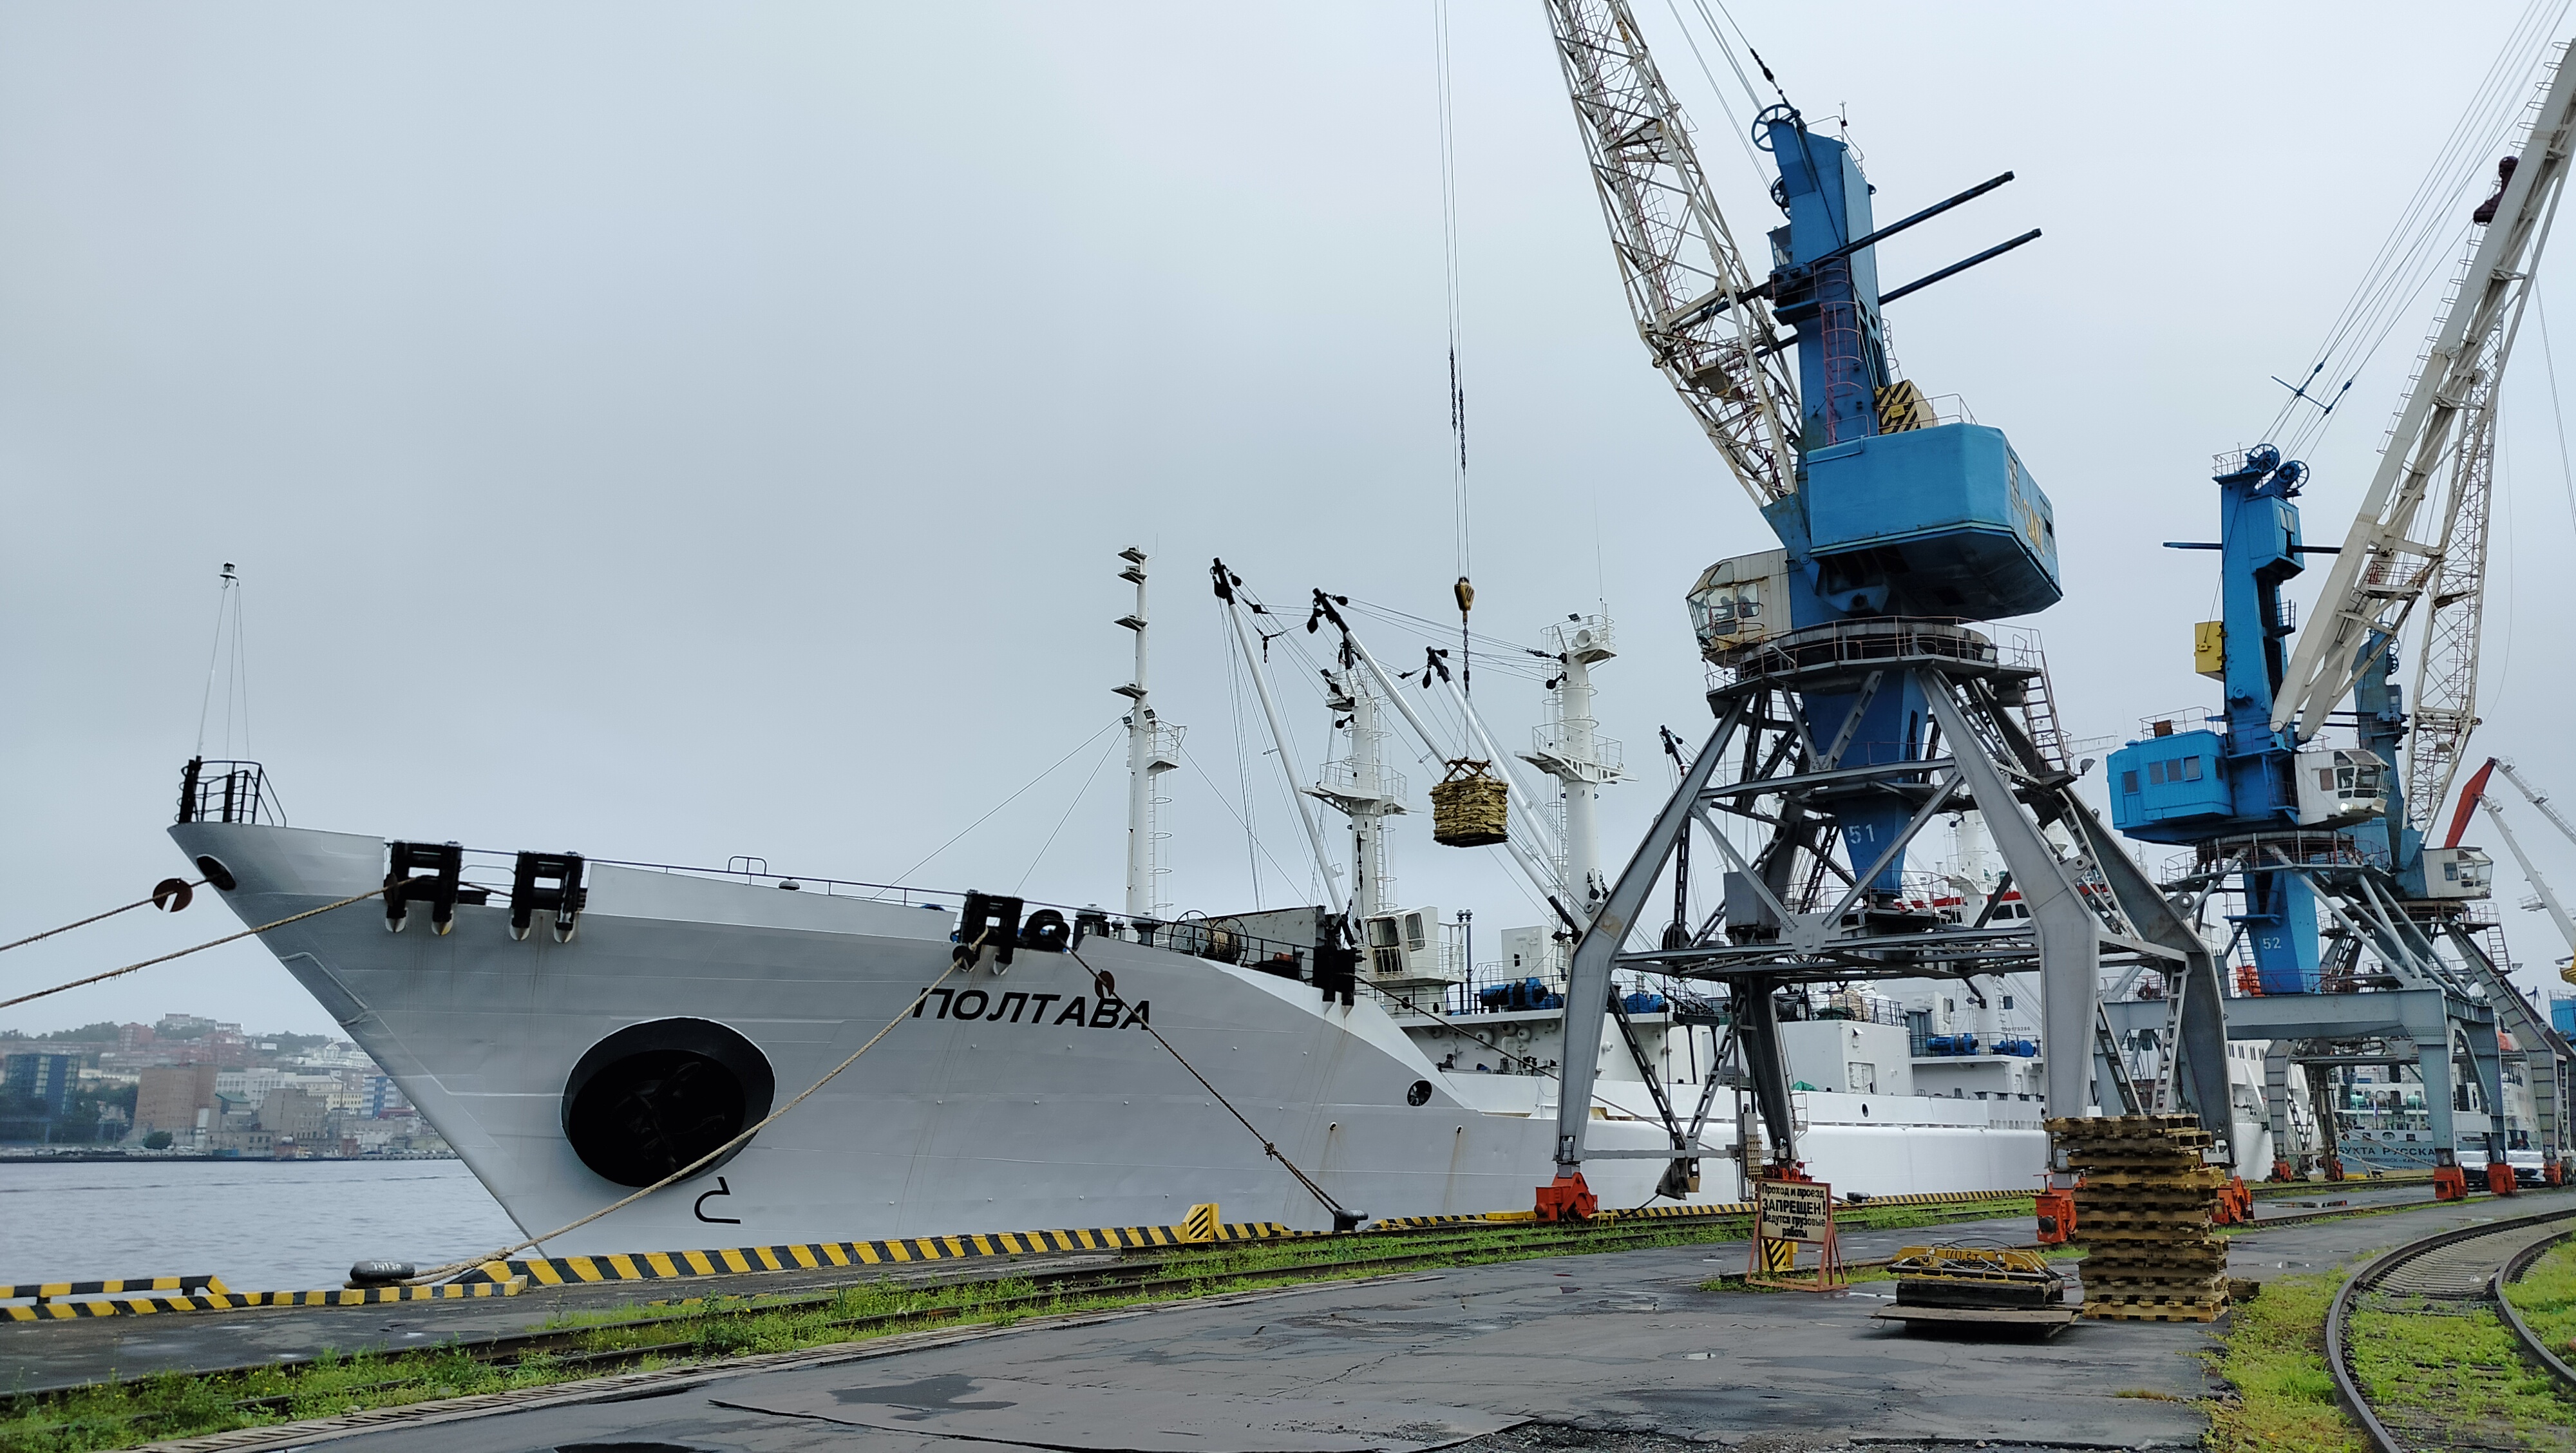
2204, 1310
2134, 1175
2162, 1220
2160, 1261
2180, 1286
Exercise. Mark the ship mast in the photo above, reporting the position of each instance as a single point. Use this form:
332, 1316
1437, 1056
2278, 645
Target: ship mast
1152, 749
1364, 789
1570, 749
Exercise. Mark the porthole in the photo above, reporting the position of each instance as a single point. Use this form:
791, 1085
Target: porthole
1420, 1094
654, 1097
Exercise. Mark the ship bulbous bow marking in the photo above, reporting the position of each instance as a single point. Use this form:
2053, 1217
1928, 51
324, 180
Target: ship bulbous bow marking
655, 1096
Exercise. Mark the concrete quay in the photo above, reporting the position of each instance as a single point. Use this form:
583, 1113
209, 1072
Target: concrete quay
1620, 1350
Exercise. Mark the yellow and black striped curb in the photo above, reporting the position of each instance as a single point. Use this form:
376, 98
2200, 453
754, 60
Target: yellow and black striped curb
1938, 1198
48, 1290
53, 1301
209, 1294
822, 1255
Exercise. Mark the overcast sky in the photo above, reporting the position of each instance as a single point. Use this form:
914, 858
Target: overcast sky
670, 432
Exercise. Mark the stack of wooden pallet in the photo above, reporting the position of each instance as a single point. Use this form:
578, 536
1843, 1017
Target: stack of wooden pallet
2143, 1214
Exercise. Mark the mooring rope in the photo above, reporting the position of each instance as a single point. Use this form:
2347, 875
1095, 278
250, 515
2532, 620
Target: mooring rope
1102, 986
962, 956
200, 948
182, 892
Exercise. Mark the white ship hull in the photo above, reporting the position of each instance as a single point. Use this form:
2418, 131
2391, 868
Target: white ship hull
1018, 1115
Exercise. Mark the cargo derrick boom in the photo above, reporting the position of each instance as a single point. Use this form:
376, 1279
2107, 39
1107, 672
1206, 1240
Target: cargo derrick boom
1855, 701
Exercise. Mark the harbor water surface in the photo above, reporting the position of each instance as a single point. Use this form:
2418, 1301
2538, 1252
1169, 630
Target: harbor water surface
260, 1225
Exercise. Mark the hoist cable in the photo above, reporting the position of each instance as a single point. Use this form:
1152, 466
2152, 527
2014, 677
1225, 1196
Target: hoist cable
1449, 263
2427, 229
2557, 410
1743, 134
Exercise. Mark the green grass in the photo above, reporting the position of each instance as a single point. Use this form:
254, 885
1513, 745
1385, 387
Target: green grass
2467, 1370
2281, 1397
2546, 1298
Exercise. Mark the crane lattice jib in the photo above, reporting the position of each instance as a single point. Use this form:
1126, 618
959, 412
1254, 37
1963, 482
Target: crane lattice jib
1696, 303
2539, 800
2383, 569
2446, 670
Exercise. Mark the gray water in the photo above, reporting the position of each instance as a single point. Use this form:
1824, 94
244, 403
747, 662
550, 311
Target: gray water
260, 1225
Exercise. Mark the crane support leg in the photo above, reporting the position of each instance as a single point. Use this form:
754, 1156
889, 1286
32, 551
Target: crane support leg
1757, 1013
2202, 1041
2070, 934
2276, 1110
1587, 977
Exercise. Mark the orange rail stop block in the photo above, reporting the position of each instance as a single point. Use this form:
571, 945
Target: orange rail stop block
1567, 1198
2056, 1208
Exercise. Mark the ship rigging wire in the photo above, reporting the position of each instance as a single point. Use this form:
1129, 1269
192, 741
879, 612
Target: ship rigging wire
1014, 797
155, 897
1079, 794
1264, 848
1243, 765
236, 672
1101, 985
183, 953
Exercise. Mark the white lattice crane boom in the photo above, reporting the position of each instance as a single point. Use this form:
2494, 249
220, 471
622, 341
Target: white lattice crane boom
2437, 471
1698, 307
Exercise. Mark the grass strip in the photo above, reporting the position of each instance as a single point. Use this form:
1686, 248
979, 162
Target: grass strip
2546, 1298
2445, 1368
642, 1336
2280, 1397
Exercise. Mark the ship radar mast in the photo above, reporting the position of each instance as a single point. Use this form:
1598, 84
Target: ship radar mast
1153, 748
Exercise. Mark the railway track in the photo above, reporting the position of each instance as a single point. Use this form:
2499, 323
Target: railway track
2444, 1391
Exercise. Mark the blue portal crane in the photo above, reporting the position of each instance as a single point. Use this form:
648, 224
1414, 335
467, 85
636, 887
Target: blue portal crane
1856, 700
2324, 844
1894, 512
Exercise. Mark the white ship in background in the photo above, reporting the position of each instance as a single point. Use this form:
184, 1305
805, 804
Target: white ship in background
577, 1029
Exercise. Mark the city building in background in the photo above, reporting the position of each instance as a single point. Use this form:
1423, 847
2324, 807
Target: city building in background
187, 1085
